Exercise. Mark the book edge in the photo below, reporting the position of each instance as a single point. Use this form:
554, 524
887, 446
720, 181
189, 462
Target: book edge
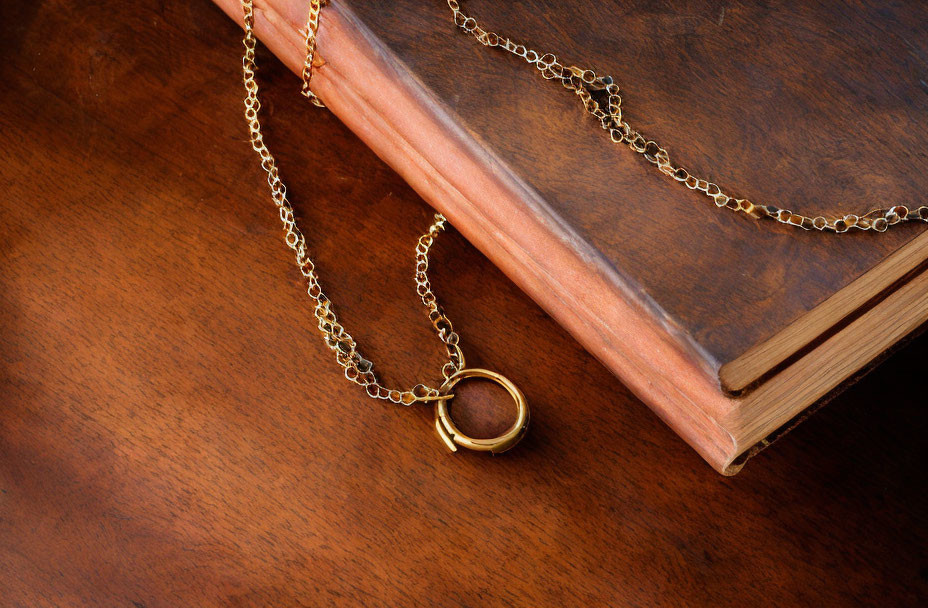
743, 374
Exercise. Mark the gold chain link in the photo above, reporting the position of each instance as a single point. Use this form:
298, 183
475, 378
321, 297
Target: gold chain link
357, 368
588, 87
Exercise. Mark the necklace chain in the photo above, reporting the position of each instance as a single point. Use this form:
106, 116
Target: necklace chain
312, 26
357, 368
600, 96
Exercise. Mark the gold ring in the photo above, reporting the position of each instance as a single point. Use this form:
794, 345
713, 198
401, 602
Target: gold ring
453, 437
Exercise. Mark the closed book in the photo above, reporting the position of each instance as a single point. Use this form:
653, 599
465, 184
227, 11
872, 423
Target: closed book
731, 329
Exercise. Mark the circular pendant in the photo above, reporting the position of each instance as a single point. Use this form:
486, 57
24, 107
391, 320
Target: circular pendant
453, 437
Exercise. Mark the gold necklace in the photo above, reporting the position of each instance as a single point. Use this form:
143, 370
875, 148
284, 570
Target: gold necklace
356, 368
600, 97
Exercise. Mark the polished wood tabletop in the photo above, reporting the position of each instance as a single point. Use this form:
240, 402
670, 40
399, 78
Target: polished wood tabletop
173, 432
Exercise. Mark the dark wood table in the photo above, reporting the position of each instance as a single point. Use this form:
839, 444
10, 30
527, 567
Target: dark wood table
174, 433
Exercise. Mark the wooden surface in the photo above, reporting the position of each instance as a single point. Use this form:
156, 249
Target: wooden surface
173, 432
818, 108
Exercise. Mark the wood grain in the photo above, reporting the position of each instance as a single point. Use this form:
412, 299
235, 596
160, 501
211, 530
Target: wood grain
173, 432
